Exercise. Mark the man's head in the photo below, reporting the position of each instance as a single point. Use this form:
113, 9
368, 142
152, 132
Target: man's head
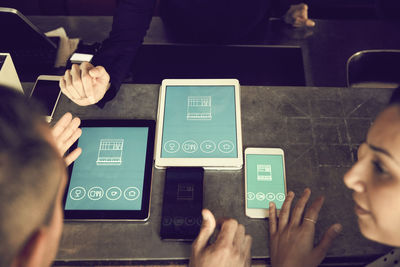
32, 181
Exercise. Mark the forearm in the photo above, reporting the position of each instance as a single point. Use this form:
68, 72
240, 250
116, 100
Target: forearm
131, 21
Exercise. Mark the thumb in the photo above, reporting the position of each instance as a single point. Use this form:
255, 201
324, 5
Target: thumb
327, 240
310, 23
207, 229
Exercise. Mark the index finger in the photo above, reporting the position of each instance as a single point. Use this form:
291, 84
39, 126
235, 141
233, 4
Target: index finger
272, 219
285, 211
227, 233
87, 81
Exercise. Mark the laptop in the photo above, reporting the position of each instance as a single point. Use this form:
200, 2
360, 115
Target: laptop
33, 53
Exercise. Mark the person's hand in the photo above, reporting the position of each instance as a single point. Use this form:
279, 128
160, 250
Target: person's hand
292, 239
85, 84
297, 15
65, 132
231, 249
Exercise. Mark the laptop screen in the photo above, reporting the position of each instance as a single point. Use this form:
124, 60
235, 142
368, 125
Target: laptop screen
21, 34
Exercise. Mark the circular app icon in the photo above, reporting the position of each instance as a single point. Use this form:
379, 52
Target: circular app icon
178, 221
190, 220
77, 193
190, 146
171, 146
131, 193
95, 193
208, 146
270, 196
280, 196
226, 146
113, 193
167, 220
251, 196
260, 196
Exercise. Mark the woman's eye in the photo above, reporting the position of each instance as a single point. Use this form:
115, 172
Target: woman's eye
378, 167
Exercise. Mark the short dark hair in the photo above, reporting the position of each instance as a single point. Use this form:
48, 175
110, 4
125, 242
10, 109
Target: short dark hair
28, 164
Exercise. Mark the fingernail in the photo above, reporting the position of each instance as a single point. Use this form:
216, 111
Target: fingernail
271, 205
337, 228
290, 194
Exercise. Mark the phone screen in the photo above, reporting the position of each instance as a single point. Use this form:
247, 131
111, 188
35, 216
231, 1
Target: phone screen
265, 180
46, 92
182, 204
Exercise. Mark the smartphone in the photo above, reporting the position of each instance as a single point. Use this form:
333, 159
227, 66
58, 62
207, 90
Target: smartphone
265, 180
182, 203
47, 92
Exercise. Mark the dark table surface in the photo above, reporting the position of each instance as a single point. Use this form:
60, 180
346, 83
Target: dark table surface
325, 47
319, 130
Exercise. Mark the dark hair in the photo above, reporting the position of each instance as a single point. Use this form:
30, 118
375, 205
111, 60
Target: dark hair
28, 164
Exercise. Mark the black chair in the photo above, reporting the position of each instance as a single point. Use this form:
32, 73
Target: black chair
374, 69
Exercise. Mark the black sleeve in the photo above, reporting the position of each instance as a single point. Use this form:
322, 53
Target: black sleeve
131, 21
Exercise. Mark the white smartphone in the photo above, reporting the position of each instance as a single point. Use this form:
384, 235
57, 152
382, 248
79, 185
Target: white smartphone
47, 91
265, 180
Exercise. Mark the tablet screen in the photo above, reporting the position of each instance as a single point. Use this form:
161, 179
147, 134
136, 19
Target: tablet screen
199, 122
110, 172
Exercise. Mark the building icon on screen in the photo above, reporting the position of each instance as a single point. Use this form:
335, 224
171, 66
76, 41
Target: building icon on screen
264, 172
198, 108
110, 152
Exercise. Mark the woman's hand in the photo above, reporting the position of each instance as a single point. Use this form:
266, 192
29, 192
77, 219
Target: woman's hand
292, 238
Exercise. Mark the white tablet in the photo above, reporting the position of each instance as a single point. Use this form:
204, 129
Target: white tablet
199, 124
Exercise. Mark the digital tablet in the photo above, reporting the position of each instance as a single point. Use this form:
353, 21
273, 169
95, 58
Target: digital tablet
199, 124
111, 179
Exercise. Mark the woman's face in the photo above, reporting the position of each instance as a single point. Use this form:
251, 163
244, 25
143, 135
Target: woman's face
375, 180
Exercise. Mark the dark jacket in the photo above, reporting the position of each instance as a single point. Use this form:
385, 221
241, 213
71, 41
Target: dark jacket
211, 20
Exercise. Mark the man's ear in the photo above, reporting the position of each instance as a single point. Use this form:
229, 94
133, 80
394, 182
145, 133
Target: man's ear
34, 251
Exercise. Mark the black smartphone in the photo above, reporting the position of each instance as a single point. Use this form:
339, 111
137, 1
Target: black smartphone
182, 203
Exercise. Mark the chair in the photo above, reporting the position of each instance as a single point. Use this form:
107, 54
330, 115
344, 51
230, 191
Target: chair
374, 69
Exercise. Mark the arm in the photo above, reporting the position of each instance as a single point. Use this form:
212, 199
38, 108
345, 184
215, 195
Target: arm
131, 21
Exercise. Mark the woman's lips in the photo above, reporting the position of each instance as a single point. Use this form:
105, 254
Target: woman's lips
360, 211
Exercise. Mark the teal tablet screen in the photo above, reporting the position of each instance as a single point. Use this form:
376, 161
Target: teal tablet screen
265, 181
109, 174
199, 122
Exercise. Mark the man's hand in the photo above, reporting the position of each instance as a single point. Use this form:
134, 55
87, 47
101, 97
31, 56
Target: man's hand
292, 240
297, 15
231, 249
65, 132
85, 84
